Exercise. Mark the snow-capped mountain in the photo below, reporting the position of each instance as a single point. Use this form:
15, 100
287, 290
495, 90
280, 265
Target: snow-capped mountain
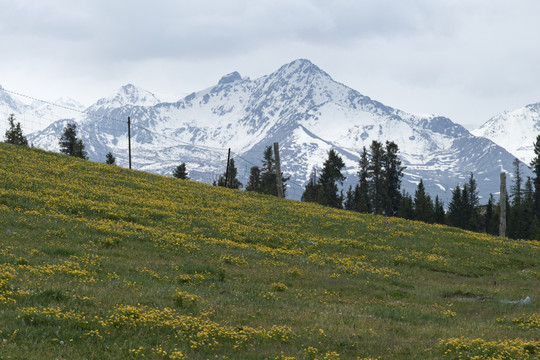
127, 95
35, 115
301, 107
515, 130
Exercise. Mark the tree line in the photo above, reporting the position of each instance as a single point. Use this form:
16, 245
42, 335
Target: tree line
378, 190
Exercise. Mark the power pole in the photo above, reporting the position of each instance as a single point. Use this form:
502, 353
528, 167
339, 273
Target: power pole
278, 171
129, 140
227, 171
502, 200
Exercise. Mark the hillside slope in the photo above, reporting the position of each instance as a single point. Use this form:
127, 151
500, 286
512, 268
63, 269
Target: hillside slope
100, 262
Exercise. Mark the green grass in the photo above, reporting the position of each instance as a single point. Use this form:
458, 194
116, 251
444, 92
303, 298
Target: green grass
101, 262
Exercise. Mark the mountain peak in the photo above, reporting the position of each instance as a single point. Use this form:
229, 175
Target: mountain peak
230, 78
301, 71
303, 66
130, 94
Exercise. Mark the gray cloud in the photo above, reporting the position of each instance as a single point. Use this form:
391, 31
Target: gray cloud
464, 59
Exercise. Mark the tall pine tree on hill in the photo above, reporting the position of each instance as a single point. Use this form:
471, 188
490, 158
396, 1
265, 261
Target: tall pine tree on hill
70, 144
535, 164
312, 190
423, 206
268, 174
361, 192
254, 182
180, 172
394, 172
110, 159
329, 180
14, 134
455, 209
378, 191
229, 180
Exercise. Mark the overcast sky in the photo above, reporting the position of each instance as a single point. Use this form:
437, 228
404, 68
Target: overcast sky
468, 60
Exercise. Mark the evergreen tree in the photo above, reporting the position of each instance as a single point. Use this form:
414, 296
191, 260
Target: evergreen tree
349, 203
471, 205
535, 164
110, 159
268, 174
516, 191
229, 180
528, 210
70, 144
311, 193
406, 207
423, 205
254, 182
361, 193
377, 187
455, 209
439, 211
330, 177
491, 217
521, 213
393, 173
180, 172
14, 134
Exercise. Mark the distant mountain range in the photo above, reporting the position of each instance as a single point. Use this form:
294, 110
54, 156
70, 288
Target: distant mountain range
301, 107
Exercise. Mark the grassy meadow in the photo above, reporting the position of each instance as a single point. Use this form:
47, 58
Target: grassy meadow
99, 262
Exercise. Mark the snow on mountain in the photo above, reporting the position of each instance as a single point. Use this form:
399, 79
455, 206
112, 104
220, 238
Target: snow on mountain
301, 107
127, 95
35, 115
516, 131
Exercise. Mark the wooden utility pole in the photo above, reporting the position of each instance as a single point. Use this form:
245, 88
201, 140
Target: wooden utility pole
502, 200
129, 140
278, 171
227, 171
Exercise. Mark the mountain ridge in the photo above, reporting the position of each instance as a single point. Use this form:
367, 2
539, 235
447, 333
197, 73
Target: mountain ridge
306, 111
516, 130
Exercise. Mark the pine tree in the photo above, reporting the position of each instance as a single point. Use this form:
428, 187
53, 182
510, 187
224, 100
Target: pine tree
393, 173
491, 219
528, 210
406, 207
349, 203
439, 216
110, 159
330, 177
230, 181
180, 172
455, 209
519, 222
268, 174
471, 204
70, 144
312, 190
377, 186
516, 191
423, 206
14, 134
361, 193
254, 182
535, 164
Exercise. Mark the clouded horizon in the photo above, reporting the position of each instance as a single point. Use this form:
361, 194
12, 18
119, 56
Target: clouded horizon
467, 60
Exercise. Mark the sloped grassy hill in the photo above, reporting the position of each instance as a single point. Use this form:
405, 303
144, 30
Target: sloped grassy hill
98, 262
